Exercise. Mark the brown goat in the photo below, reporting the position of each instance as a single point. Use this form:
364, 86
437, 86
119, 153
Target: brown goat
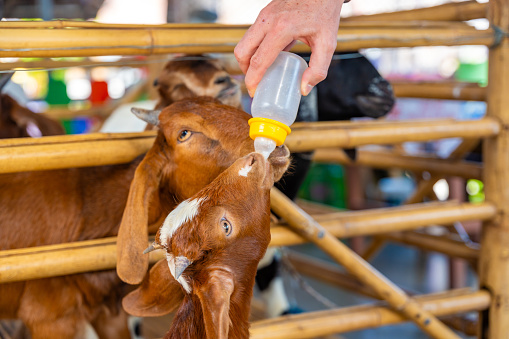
197, 140
194, 76
213, 243
17, 121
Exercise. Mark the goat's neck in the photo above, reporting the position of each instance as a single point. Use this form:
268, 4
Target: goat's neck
188, 322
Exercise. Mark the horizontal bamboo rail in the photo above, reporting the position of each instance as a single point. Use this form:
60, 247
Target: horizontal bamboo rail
386, 159
449, 247
100, 254
66, 24
48, 42
97, 149
303, 140
383, 220
461, 11
315, 324
439, 90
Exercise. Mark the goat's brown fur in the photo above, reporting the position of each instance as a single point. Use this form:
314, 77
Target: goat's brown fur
16, 120
223, 264
194, 76
49, 207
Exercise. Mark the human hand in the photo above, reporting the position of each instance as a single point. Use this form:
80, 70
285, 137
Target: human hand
278, 26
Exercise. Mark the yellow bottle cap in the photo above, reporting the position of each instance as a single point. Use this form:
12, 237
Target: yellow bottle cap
268, 128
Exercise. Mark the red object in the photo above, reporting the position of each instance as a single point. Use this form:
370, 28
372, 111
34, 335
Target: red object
99, 92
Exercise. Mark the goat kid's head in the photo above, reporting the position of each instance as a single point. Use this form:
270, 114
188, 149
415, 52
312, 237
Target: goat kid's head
194, 76
17, 121
198, 139
213, 243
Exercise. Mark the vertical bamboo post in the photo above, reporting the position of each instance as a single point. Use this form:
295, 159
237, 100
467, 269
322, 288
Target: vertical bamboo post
307, 227
494, 261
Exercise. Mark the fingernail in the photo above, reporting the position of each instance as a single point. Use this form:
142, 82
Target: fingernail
307, 90
251, 92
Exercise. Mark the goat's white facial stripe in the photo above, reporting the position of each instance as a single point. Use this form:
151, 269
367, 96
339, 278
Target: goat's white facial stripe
182, 281
245, 170
184, 212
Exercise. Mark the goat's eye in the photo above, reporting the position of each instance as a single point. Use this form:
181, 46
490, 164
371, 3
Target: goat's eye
221, 80
227, 227
184, 135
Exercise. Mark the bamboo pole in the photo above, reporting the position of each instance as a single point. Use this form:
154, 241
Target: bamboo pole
331, 274
303, 224
494, 261
387, 159
303, 140
447, 246
65, 24
48, 153
85, 256
374, 248
461, 11
328, 273
47, 42
439, 90
383, 220
314, 324
97, 149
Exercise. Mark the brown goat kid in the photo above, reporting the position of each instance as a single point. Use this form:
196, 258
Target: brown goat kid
194, 76
213, 243
17, 121
197, 140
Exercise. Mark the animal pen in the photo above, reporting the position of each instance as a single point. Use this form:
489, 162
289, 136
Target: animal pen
437, 26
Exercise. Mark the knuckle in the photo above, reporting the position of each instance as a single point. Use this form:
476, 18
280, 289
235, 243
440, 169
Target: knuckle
256, 61
320, 74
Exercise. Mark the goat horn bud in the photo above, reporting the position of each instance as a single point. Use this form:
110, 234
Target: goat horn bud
181, 264
153, 246
149, 116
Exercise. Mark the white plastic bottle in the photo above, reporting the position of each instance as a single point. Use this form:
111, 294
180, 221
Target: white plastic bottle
276, 102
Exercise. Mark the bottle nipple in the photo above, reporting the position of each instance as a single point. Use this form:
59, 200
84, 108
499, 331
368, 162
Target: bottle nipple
267, 134
265, 146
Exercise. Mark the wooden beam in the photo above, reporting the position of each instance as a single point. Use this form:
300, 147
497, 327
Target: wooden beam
494, 262
304, 225
439, 90
387, 159
49, 42
461, 11
56, 152
315, 324
100, 254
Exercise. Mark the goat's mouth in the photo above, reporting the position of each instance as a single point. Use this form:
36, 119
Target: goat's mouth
280, 156
229, 91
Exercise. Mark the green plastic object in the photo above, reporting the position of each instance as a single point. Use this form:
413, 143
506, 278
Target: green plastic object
325, 183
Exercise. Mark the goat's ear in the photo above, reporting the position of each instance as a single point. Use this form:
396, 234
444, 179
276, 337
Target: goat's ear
132, 264
214, 297
159, 294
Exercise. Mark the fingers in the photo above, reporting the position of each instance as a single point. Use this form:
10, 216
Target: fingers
247, 46
264, 56
319, 62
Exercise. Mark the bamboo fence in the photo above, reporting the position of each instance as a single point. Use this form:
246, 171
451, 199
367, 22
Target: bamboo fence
100, 254
403, 29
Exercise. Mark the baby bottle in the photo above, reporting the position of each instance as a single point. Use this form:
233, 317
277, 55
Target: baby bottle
275, 102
